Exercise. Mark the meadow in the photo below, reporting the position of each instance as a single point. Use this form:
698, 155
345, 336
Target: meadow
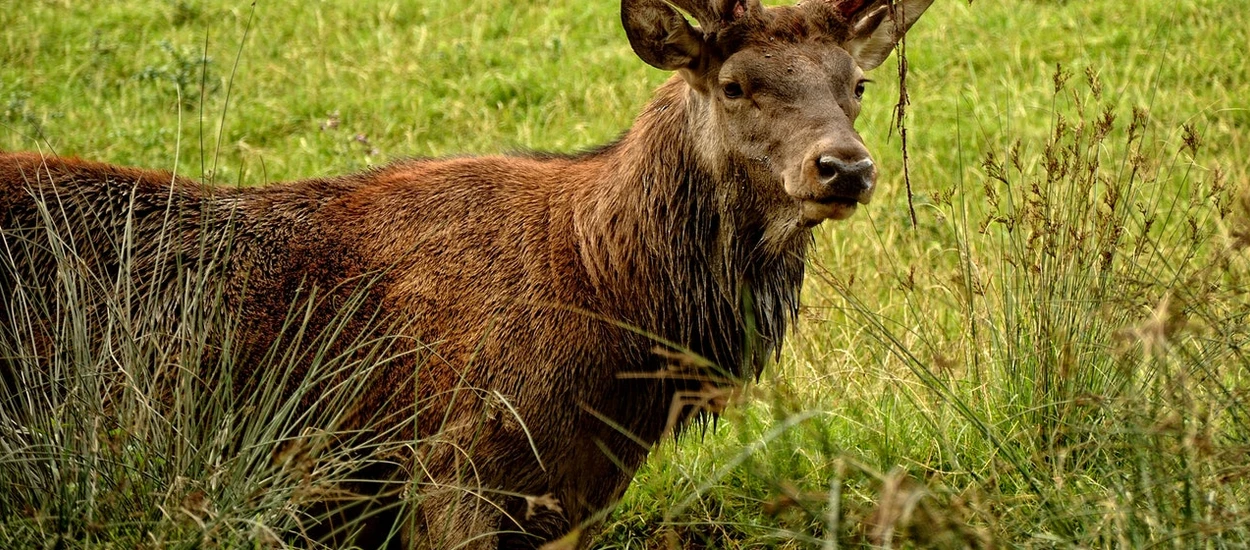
1036, 335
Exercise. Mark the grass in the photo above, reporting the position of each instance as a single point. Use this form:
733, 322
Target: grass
1053, 356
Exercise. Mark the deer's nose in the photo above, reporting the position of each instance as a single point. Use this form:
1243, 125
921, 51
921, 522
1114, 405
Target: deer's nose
845, 179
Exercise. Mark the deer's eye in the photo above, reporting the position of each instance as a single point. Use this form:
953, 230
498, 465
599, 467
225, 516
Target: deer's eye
732, 90
859, 89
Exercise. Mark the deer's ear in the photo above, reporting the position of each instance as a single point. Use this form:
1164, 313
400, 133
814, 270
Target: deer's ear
874, 30
660, 34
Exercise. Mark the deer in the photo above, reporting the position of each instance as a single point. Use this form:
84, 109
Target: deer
567, 287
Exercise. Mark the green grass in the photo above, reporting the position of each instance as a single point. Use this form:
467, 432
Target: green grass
1052, 357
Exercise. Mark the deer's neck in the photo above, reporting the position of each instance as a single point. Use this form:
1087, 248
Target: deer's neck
666, 237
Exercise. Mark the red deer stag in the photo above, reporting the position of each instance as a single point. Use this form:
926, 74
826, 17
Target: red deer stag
552, 283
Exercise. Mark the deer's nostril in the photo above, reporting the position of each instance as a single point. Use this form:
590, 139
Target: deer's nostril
828, 166
837, 178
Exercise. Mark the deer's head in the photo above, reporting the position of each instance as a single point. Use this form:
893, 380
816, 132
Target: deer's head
775, 91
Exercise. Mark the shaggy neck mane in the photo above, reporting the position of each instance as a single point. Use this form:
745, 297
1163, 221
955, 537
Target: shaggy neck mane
672, 240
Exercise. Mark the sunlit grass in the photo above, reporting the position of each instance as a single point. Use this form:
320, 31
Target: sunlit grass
1034, 363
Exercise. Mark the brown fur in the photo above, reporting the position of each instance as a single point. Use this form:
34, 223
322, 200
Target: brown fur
548, 282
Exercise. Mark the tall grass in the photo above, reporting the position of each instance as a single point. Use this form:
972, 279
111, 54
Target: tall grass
127, 418
1078, 379
1052, 358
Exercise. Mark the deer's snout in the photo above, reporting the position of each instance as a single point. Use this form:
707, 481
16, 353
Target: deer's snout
832, 181
845, 177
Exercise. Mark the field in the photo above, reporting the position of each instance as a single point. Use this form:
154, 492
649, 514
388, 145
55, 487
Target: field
1043, 344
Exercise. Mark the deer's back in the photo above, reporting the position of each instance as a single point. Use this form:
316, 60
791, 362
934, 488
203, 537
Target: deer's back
476, 258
